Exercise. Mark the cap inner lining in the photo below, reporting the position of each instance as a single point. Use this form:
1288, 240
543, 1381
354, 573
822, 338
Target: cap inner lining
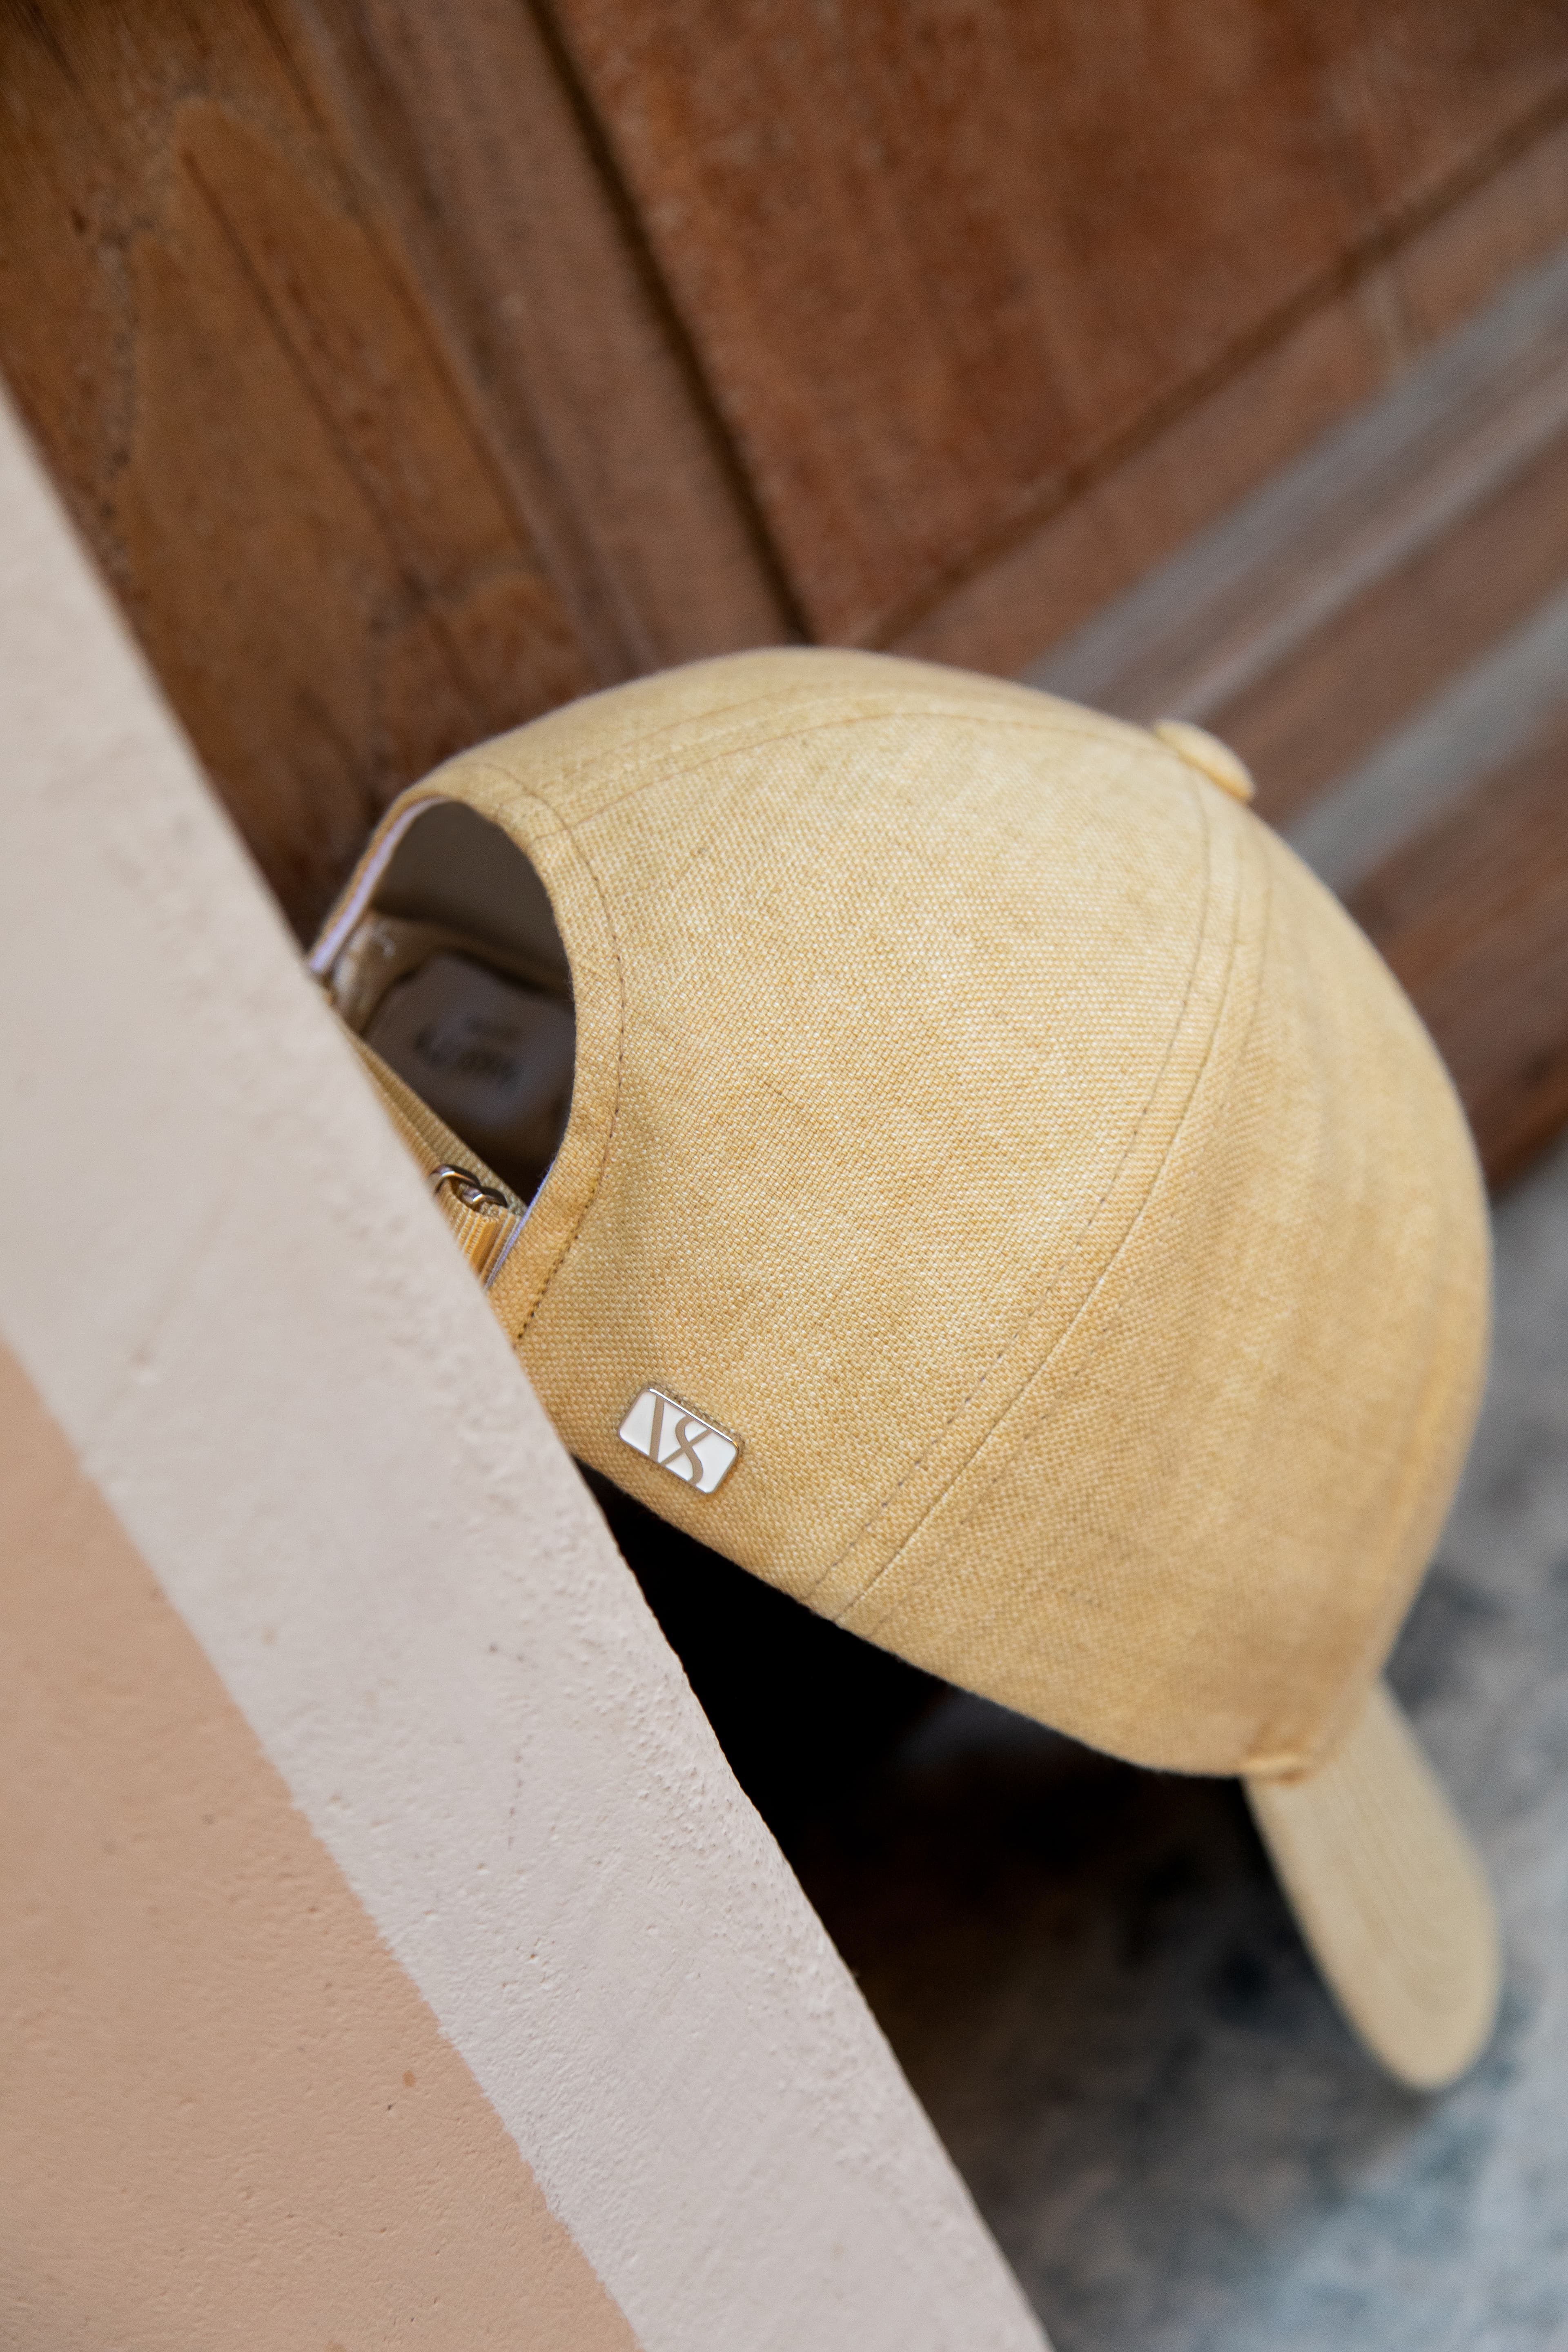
452, 968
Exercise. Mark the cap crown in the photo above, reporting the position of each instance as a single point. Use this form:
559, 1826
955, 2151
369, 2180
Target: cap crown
995, 1126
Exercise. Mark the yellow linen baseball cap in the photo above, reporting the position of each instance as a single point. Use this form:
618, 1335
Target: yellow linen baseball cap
936, 1146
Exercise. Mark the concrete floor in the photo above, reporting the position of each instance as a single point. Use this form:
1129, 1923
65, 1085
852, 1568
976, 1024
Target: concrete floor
1096, 1990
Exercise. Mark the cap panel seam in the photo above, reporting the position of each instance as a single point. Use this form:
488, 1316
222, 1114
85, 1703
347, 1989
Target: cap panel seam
747, 740
864, 1531
477, 764
943, 692
1134, 1221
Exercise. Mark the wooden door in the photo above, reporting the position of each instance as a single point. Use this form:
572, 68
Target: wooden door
410, 371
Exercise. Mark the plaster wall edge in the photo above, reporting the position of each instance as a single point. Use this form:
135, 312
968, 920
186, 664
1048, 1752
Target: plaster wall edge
225, 1282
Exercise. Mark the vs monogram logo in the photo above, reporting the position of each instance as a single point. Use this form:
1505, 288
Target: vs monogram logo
679, 1441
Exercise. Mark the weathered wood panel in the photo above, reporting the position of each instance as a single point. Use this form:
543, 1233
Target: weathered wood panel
1384, 651
411, 371
531, 258
1319, 614
346, 540
1473, 917
1138, 508
947, 264
228, 369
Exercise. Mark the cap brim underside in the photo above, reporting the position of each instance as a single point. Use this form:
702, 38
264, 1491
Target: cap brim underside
1391, 1896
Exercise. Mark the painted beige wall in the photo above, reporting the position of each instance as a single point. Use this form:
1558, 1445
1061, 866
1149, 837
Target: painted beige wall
223, 1281
227, 2118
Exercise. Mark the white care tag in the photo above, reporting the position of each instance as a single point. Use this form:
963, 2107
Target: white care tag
491, 1057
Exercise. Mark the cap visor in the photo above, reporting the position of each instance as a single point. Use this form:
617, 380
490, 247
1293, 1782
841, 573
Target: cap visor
1390, 1895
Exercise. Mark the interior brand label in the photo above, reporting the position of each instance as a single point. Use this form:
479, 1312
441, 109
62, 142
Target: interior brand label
679, 1441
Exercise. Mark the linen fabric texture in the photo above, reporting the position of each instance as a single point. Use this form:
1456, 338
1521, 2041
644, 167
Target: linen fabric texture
983, 1116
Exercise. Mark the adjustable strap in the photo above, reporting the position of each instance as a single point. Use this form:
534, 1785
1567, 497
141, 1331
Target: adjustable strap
486, 1216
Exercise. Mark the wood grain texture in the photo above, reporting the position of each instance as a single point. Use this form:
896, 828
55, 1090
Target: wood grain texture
1471, 918
538, 273
1385, 650
947, 263
352, 534
226, 366
1144, 508
1311, 619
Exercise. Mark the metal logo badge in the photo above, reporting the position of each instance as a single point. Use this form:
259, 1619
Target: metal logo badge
680, 1442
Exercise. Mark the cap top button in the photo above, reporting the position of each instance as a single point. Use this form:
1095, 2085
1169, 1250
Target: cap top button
1205, 753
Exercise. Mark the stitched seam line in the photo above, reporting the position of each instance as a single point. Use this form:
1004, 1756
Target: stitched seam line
744, 739
504, 776
1029, 1312
964, 1467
